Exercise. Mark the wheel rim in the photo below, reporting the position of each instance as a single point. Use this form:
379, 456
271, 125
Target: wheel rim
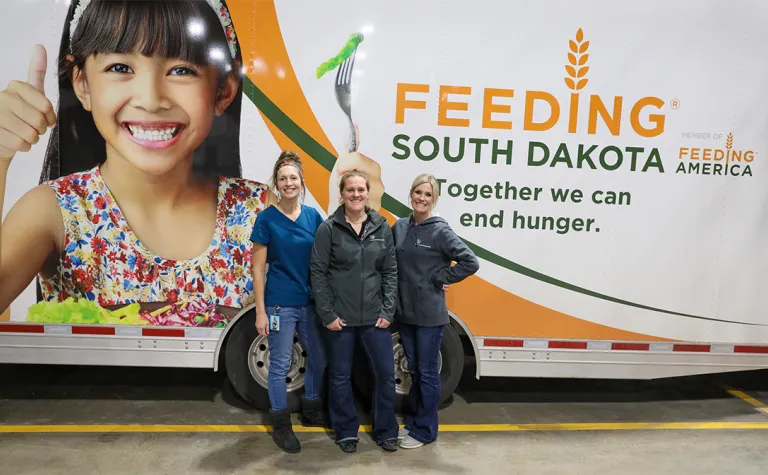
258, 363
402, 376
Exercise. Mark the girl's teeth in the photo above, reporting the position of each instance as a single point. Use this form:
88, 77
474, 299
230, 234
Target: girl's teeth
154, 135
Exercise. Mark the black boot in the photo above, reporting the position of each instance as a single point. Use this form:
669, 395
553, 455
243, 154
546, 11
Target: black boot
313, 413
282, 431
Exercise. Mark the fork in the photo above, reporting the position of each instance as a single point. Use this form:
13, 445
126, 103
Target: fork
343, 89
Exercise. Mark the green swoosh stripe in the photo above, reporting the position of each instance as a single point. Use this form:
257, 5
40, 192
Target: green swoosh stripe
327, 160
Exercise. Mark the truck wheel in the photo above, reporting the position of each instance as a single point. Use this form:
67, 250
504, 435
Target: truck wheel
247, 364
450, 364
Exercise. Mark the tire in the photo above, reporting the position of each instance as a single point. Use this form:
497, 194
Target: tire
247, 361
451, 358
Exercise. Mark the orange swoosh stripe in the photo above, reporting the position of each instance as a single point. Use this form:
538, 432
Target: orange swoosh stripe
478, 302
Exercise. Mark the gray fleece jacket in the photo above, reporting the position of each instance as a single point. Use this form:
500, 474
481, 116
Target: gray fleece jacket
424, 254
354, 277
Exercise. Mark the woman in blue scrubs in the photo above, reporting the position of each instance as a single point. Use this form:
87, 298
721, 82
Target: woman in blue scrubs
282, 238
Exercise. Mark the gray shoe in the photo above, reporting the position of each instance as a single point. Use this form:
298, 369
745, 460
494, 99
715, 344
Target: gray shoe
402, 434
410, 443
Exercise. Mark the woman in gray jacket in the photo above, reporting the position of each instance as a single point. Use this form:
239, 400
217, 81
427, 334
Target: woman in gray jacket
354, 281
425, 248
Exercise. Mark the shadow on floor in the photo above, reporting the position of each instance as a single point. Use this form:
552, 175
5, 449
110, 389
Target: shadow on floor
172, 384
531, 390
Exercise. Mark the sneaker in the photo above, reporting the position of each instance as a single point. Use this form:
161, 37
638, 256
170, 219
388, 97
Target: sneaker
410, 443
402, 433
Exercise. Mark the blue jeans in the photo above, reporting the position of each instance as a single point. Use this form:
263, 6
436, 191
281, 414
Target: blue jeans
377, 343
301, 320
422, 346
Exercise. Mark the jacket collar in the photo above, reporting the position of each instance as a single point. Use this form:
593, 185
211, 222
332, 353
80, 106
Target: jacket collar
375, 217
431, 220
338, 216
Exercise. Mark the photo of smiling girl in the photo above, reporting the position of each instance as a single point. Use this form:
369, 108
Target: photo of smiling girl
140, 198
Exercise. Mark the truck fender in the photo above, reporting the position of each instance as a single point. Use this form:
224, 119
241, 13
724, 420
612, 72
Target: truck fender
225, 334
471, 337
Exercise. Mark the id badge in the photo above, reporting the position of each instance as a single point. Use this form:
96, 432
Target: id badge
274, 323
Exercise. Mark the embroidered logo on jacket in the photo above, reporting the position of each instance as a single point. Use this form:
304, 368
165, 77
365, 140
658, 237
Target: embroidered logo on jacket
419, 244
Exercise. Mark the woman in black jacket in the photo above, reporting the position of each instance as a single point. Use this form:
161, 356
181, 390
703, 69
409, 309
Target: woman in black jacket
425, 247
354, 282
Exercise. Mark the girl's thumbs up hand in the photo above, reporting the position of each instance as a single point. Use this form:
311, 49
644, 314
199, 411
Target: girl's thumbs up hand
25, 112
37, 67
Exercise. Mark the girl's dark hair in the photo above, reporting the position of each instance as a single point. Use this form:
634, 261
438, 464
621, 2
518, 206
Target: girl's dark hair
158, 27
288, 157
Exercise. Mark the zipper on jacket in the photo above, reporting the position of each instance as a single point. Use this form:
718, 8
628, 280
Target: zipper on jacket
362, 281
361, 240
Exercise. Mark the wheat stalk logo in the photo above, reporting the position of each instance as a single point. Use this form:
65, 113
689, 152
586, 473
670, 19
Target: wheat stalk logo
577, 59
729, 141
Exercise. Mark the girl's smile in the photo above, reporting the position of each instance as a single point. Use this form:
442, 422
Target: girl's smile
152, 111
154, 135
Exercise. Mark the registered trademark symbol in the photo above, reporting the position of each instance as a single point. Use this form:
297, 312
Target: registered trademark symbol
674, 104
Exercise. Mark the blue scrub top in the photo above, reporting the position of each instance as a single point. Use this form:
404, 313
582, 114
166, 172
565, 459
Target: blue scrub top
289, 248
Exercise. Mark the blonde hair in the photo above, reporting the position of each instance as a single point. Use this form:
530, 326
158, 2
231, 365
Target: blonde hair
288, 157
426, 178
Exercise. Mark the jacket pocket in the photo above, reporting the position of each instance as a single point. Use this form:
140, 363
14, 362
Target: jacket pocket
372, 297
428, 301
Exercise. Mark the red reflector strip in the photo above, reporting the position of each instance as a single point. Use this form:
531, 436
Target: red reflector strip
750, 349
692, 348
93, 330
569, 345
504, 343
16, 328
631, 346
173, 332
618, 346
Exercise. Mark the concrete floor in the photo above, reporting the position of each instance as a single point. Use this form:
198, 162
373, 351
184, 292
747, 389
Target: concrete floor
95, 396
701, 453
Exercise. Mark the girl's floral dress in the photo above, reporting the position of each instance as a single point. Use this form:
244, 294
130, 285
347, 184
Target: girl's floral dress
106, 263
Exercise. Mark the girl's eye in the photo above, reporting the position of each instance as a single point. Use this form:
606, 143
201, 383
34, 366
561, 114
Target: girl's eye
183, 71
120, 68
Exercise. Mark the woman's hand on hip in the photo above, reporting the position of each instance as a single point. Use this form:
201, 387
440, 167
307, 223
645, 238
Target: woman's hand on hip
336, 325
382, 323
262, 324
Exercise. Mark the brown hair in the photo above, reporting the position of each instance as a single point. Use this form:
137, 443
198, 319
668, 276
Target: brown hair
288, 157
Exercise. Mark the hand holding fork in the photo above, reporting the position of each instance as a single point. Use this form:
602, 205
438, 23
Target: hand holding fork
351, 159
